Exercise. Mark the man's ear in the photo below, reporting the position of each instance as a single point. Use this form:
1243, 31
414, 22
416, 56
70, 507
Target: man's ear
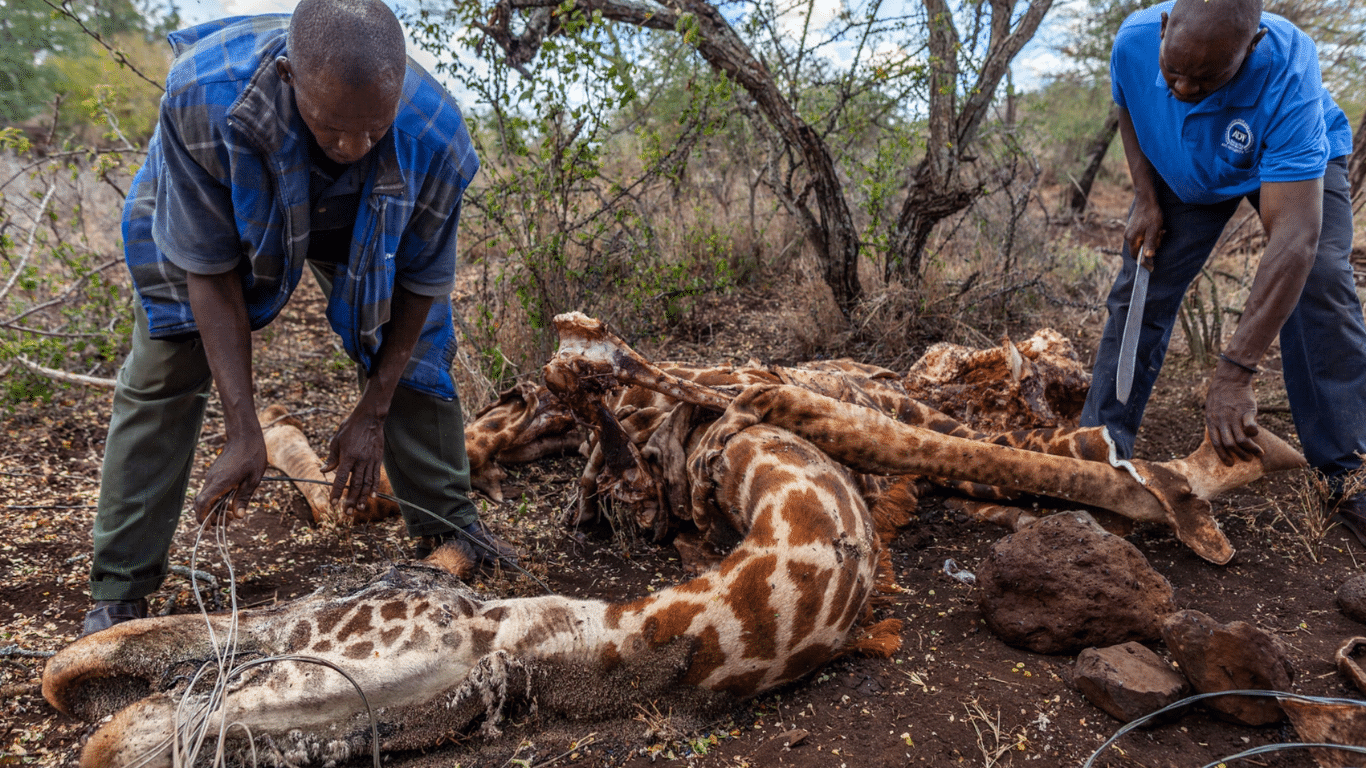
1257, 38
1161, 33
284, 69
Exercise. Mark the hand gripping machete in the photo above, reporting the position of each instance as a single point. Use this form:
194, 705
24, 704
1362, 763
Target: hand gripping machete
1133, 324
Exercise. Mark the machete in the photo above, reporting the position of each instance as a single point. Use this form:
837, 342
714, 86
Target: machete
1133, 324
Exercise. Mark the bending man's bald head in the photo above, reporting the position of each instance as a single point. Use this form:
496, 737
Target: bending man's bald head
1204, 20
346, 65
357, 41
1205, 42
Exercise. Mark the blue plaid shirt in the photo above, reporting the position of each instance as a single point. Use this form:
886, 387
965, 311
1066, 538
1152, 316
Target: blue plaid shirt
226, 187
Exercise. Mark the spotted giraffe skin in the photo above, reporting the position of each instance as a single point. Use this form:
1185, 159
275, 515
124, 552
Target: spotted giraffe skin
432, 657
1025, 385
774, 466
1044, 462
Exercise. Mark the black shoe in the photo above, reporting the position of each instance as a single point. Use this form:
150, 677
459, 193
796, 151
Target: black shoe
1352, 512
107, 613
481, 546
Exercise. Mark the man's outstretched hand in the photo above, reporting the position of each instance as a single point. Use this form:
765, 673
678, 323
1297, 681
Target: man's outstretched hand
232, 479
356, 455
1231, 415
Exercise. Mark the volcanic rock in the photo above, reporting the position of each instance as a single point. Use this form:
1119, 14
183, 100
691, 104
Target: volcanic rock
1128, 681
1064, 584
1352, 598
1325, 723
1347, 664
1229, 657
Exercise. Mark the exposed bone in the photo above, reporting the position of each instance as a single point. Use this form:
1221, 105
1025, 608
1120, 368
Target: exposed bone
867, 441
287, 450
1038, 382
1209, 477
1345, 660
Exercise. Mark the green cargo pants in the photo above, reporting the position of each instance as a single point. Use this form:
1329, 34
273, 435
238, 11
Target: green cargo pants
158, 412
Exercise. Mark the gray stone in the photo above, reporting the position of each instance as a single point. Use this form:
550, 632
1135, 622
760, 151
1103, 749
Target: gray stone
1128, 681
1352, 598
1064, 584
1230, 657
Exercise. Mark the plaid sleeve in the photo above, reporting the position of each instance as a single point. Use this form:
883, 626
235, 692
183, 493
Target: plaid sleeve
193, 225
429, 242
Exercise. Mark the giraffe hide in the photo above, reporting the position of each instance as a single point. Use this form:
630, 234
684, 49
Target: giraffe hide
435, 660
774, 468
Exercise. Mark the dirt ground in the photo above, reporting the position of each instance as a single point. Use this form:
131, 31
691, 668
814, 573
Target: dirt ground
954, 695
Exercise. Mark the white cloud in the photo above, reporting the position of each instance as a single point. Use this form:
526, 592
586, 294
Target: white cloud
793, 17
1033, 68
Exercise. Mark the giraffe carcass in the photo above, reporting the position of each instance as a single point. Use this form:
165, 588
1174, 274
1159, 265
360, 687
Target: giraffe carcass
432, 657
765, 455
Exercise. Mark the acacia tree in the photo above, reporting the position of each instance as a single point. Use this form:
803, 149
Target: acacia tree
937, 74
939, 186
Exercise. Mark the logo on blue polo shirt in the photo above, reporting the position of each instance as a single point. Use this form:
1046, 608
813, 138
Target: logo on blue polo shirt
1238, 136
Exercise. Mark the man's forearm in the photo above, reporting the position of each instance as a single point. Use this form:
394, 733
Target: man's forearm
220, 313
1292, 214
408, 314
1141, 171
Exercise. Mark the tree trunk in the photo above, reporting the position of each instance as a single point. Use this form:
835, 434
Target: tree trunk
926, 205
938, 189
1099, 147
832, 231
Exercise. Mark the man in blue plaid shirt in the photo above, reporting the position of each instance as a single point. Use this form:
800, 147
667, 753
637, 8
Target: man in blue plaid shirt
284, 140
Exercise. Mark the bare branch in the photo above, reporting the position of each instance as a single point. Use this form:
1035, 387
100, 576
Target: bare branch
9, 322
63, 376
122, 60
28, 248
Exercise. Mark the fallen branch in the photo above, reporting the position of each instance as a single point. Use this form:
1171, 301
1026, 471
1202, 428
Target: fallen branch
205, 577
64, 377
15, 690
15, 650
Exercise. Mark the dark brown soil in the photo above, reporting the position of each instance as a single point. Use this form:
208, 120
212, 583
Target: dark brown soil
954, 695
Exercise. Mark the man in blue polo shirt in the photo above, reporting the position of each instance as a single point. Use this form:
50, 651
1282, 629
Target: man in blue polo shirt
286, 140
1220, 102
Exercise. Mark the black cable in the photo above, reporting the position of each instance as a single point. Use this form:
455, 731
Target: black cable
1192, 699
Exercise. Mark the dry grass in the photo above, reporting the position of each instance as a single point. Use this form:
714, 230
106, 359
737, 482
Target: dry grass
1309, 518
993, 741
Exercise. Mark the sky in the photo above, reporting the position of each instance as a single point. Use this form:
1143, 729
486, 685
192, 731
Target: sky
1031, 69
198, 11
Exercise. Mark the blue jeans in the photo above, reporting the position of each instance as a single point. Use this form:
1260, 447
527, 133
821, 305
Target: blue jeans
1323, 343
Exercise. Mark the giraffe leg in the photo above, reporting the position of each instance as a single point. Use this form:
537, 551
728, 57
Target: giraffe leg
1003, 515
869, 442
287, 450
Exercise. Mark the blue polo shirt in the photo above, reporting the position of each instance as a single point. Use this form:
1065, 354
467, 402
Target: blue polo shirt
1273, 122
